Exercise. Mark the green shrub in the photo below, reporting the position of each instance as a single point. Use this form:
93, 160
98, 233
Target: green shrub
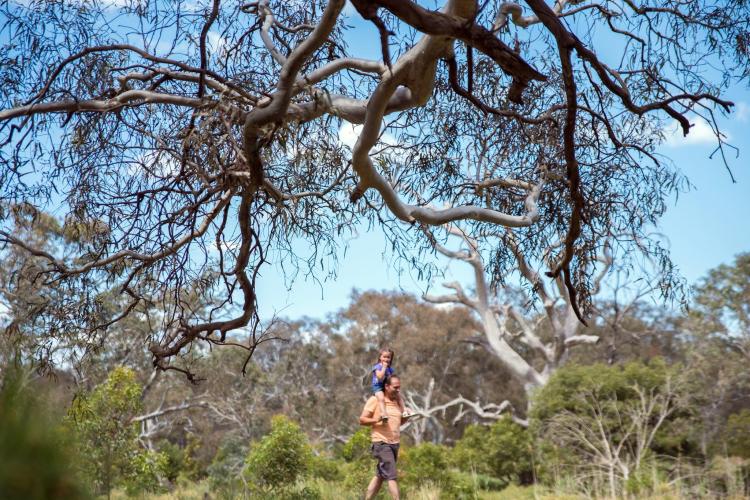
322, 467
489, 483
630, 414
358, 467
459, 486
102, 422
181, 462
35, 461
226, 467
572, 389
501, 450
736, 434
357, 475
425, 463
358, 446
175, 458
306, 493
144, 473
280, 458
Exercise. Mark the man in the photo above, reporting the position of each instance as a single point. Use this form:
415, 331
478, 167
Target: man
385, 436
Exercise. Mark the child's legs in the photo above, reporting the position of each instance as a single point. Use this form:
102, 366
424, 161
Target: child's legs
401, 404
380, 395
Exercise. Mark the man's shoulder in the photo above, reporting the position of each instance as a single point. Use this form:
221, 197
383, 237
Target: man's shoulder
371, 403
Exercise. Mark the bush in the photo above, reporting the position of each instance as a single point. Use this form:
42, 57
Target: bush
181, 462
358, 446
144, 472
606, 425
358, 468
737, 434
572, 389
422, 464
175, 458
102, 422
501, 450
325, 468
357, 474
34, 461
280, 458
226, 468
459, 486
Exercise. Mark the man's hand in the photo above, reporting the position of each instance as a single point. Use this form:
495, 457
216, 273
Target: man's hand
408, 415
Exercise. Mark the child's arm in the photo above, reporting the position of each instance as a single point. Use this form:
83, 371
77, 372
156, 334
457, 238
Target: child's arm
380, 373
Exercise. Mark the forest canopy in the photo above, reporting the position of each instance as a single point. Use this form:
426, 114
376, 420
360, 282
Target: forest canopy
181, 146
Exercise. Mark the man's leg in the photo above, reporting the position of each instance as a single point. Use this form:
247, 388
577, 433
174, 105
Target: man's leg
374, 487
393, 489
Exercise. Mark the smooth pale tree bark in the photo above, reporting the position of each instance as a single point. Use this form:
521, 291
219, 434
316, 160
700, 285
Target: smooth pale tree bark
422, 405
497, 318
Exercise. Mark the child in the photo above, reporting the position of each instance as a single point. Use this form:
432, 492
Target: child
383, 369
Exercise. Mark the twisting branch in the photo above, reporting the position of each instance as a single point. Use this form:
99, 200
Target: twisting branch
488, 411
170, 150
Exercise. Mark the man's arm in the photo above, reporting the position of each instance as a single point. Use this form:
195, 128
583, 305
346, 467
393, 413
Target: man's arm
367, 418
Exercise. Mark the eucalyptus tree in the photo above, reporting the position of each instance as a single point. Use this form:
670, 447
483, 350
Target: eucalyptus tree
718, 334
196, 136
515, 338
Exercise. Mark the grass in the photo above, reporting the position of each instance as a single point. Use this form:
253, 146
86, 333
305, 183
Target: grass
691, 484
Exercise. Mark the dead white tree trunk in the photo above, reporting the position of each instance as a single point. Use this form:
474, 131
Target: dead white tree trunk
497, 318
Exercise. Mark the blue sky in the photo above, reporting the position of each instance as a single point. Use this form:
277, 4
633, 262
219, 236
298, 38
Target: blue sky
710, 224
705, 226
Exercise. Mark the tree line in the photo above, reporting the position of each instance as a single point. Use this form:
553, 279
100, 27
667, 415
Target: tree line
671, 402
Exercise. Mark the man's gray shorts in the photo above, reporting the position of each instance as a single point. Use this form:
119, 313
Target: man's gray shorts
386, 455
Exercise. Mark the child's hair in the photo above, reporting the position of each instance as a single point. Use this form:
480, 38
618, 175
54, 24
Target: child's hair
388, 350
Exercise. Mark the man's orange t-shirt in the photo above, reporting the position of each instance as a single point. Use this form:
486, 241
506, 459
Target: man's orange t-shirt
387, 433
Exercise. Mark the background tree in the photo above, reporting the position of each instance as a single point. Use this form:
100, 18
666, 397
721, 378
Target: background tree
434, 356
516, 339
184, 157
279, 459
38, 460
694, 450
103, 423
717, 333
40, 314
612, 421
722, 304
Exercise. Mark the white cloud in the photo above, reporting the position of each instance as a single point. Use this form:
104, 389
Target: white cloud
348, 134
226, 246
742, 113
700, 133
216, 43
